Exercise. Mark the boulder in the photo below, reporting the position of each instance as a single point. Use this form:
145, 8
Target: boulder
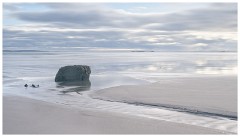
73, 73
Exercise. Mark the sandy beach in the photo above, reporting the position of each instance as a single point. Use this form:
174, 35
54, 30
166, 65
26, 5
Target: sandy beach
216, 95
27, 116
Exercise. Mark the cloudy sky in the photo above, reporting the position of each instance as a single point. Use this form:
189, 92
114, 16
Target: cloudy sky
152, 26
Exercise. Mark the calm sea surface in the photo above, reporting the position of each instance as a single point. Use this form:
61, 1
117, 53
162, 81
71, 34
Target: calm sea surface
110, 68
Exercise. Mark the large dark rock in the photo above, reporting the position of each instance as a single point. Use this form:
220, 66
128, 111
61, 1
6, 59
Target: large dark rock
73, 73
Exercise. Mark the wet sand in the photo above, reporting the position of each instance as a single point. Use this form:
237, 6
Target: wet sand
27, 116
216, 94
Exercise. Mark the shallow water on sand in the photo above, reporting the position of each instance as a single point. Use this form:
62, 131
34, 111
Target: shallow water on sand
111, 69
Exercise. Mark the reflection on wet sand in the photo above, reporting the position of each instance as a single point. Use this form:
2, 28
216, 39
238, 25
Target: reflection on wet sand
76, 86
191, 66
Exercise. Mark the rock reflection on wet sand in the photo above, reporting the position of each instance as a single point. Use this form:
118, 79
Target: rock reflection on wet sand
75, 86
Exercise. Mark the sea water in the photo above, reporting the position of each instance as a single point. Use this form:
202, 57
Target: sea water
113, 68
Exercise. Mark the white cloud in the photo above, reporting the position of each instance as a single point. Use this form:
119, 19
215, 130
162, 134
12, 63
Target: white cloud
200, 45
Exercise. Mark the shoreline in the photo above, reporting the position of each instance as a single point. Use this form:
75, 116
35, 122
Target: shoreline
28, 116
208, 100
41, 117
214, 95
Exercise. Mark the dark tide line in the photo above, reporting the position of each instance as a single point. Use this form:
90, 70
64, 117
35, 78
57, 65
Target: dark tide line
178, 109
185, 109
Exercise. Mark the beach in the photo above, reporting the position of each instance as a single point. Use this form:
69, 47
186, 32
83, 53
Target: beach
212, 94
186, 105
28, 116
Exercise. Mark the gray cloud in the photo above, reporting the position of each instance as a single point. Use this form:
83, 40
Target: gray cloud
76, 15
115, 39
214, 18
10, 7
96, 25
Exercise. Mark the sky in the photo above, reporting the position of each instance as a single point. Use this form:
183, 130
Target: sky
144, 26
